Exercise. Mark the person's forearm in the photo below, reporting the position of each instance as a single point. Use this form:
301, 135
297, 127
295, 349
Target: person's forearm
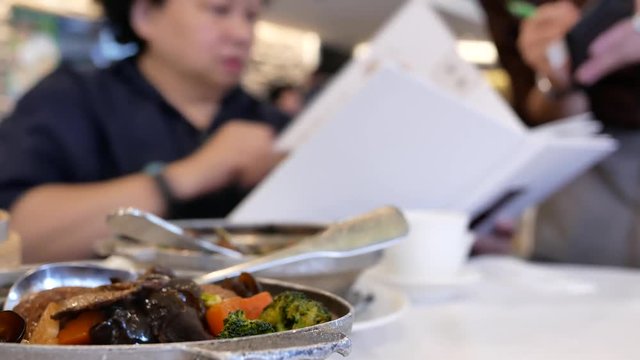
541, 109
62, 222
59, 222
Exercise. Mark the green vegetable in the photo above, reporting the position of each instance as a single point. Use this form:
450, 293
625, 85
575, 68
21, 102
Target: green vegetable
237, 325
294, 310
210, 299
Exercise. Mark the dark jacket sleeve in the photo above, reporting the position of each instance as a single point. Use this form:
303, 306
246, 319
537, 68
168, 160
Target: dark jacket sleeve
504, 29
43, 139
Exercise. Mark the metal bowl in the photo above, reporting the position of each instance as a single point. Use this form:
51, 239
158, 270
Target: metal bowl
315, 342
330, 274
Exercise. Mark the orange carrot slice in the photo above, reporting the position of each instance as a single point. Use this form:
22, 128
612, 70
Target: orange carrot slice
252, 308
76, 331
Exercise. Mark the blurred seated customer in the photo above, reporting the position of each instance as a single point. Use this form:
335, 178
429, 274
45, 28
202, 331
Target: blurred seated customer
594, 219
287, 98
168, 131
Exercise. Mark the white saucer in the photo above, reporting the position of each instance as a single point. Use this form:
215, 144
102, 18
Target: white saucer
387, 305
465, 276
429, 290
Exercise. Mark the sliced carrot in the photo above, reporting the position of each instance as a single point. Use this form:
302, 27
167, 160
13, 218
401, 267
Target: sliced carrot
218, 312
76, 331
252, 308
254, 305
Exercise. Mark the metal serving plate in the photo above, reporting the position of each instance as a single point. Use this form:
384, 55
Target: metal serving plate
316, 342
330, 274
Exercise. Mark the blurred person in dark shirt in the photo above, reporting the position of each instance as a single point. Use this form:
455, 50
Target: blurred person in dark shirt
592, 220
287, 98
168, 131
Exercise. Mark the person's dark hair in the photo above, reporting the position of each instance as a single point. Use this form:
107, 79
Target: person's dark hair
118, 14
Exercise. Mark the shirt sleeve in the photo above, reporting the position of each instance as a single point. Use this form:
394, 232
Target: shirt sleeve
276, 118
42, 139
504, 29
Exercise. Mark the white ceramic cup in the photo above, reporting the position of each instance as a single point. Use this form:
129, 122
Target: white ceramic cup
434, 250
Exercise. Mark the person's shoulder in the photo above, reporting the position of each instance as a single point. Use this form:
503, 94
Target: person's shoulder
64, 98
71, 88
63, 83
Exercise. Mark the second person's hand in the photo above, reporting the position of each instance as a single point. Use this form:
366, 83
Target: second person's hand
549, 25
615, 48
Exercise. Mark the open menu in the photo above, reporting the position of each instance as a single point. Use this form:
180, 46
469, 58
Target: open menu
415, 126
402, 141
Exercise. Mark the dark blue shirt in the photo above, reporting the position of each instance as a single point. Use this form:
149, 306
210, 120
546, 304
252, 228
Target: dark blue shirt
76, 128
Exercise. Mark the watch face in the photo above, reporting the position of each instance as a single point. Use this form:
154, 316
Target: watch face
154, 168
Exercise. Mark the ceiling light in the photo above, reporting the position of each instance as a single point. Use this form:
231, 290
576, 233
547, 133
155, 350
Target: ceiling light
481, 52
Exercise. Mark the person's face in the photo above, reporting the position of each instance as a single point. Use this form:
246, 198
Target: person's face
207, 40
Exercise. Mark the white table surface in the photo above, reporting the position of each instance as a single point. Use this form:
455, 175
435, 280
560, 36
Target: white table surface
518, 311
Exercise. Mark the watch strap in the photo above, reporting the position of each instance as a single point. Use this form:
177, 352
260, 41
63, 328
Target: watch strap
156, 171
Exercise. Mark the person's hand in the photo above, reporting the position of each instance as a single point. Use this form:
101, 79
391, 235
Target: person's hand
240, 152
498, 241
547, 27
612, 50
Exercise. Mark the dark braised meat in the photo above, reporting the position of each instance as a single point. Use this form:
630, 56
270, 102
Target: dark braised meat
32, 307
103, 296
96, 298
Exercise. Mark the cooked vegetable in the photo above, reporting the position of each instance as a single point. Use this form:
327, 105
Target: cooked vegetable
161, 316
33, 306
244, 285
237, 325
96, 298
294, 310
76, 331
210, 299
46, 329
252, 308
124, 325
159, 309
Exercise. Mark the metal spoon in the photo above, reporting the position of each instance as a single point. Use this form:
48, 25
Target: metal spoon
366, 233
12, 327
150, 229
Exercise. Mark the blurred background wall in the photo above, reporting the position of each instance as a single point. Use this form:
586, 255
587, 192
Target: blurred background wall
296, 39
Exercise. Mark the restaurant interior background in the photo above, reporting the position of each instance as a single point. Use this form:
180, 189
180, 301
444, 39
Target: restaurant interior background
294, 39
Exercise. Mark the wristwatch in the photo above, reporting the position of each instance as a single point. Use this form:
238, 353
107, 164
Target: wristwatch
545, 86
156, 171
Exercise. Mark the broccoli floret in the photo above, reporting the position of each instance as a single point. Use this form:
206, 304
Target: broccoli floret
294, 310
237, 325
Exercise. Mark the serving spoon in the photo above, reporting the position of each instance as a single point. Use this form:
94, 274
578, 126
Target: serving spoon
366, 233
147, 228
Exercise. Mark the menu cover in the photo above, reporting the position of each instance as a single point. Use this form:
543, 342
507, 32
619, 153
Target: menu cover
400, 140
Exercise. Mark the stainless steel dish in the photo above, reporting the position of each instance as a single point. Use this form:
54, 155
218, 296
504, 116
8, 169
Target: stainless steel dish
335, 275
377, 229
316, 342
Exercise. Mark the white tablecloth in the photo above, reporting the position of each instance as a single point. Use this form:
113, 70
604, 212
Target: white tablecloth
517, 311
